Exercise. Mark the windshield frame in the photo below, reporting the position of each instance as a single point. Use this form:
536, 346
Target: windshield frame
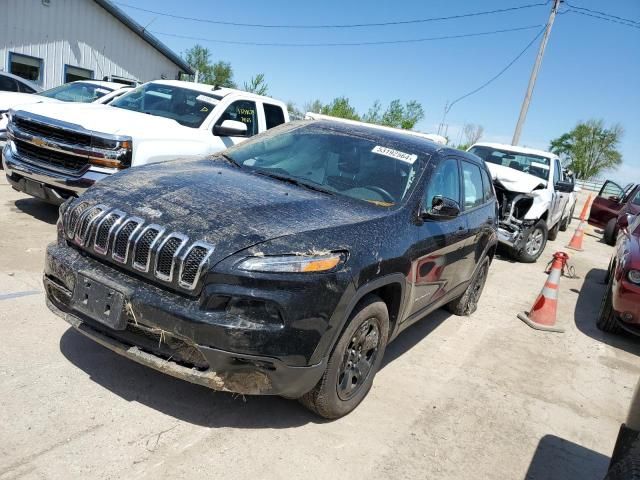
216, 101
419, 166
531, 156
65, 86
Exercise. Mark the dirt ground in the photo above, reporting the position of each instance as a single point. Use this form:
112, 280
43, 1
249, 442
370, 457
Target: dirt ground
484, 397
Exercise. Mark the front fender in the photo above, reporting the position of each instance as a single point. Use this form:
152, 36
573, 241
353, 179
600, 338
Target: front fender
541, 204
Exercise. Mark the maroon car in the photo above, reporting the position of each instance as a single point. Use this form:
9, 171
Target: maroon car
613, 200
620, 308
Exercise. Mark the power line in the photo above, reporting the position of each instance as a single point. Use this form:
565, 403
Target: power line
498, 75
603, 18
352, 25
347, 44
604, 14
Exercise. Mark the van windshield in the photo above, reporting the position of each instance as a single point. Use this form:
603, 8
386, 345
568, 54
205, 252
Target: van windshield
535, 165
332, 161
185, 106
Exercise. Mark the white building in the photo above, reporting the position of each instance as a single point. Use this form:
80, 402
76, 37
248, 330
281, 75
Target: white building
56, 41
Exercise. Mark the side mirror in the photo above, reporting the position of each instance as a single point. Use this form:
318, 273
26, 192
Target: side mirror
442, 208
624, 220
231, 128
565, 187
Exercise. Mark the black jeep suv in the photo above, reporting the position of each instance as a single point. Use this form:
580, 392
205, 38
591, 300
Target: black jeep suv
283, 265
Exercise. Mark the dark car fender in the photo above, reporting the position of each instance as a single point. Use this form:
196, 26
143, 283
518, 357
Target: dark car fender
339, 321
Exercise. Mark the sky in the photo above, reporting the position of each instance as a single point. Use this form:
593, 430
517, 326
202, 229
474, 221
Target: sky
591, 68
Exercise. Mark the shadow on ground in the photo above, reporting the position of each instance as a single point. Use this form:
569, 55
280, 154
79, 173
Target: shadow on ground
586, 314
558, 459
199, 405
38, 209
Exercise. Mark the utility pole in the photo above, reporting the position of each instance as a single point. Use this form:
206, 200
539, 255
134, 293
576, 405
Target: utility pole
534, 73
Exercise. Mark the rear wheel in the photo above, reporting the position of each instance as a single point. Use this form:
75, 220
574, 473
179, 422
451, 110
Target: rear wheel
628, 467
534, 244
468, 302
353, 363
553, 233
607, 317
564, 224
611, 232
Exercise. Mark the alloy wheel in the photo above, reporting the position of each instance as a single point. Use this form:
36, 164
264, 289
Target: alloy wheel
358, 359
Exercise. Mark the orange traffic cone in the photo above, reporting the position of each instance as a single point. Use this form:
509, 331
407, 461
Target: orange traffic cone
576, 240
585, 208
543, 313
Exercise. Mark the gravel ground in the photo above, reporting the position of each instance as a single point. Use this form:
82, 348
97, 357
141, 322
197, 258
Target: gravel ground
458, 398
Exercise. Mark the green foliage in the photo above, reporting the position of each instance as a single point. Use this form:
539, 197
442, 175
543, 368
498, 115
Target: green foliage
396, 115
589, 148
340, 107
294, 112
257, 85
219, 73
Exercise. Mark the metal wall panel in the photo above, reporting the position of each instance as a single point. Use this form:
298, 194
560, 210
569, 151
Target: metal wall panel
79, 33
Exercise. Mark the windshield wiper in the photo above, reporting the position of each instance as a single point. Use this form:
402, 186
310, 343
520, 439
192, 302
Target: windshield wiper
294, 181
229, 159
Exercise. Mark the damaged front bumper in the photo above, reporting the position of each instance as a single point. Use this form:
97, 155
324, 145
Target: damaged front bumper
164, 331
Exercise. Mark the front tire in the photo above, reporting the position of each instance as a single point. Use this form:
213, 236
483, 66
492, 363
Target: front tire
607, 317
611, 232
468, 302
534, 244
353, 363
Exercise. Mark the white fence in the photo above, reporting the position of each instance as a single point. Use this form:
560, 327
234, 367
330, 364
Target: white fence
593, 184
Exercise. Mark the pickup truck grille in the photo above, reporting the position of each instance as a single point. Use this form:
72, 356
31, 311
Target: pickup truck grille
66, 148
168, 257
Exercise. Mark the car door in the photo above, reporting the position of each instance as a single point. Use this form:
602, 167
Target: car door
561, 198
607, 204
245, 111
479, 208
438, 249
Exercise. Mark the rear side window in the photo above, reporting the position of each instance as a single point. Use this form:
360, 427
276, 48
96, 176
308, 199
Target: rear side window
25, 88
636, 199
445, 182
487, 186
473, 189
273, 115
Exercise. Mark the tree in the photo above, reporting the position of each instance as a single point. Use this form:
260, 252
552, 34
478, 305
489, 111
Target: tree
315, 106
402, 116
257, 85
373, 114
219, 74
222, 75
294, 113
340, 107
589, 148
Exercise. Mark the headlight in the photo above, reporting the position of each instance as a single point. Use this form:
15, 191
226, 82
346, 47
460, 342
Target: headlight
293, 263
634, 276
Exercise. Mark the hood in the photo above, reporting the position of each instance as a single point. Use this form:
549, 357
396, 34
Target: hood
514, 180
231, 208
13, 99
111, 120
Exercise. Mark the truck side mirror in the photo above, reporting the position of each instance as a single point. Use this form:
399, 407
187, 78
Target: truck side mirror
230, 128
565, 187
442, 208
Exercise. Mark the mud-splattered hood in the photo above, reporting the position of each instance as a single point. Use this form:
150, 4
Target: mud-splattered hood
514, 180
231, 208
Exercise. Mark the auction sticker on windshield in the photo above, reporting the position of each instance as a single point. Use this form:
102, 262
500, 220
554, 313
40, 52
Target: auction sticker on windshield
397, 154
540, 165
207, 99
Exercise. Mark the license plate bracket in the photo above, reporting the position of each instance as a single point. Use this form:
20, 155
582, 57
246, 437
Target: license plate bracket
35, 189
100, 302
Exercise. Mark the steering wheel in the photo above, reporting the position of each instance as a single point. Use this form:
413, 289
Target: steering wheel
382, 192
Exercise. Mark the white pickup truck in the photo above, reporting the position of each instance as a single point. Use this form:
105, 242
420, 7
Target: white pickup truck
536, 200
55, 151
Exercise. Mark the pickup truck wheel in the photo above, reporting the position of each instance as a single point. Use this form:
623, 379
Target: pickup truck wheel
607, 317
553, 233
353, 363
534, 244
564, 224
628, 467
468, 302
611, 232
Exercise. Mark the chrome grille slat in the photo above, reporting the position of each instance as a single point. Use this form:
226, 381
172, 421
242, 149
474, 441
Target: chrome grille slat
105, 230
127, 240
144, 245
128, 230
168, 251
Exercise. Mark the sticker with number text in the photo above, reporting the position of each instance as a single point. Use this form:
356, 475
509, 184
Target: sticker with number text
397, 154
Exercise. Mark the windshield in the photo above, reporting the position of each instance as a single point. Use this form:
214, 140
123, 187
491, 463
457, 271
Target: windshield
536, 165
361, 168
77, 92
187, 107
